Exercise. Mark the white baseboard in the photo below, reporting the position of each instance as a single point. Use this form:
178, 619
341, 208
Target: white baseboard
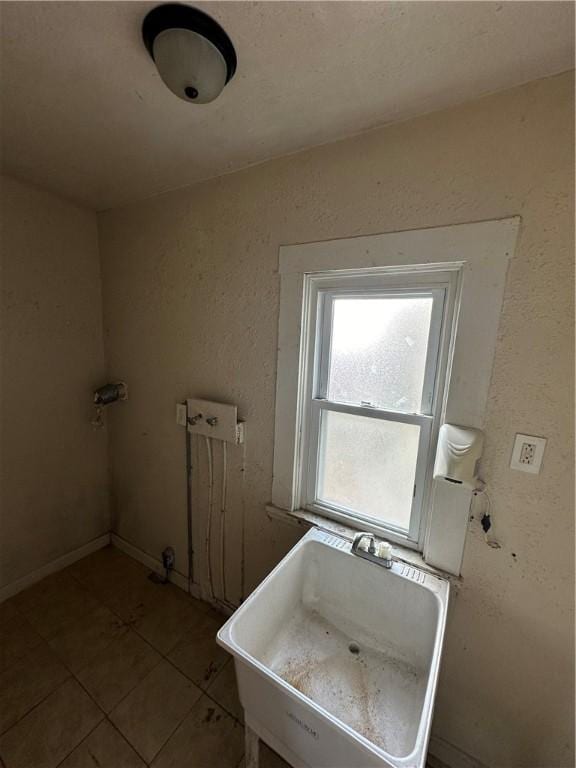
55, 565
195, 591
178, 579
442, 753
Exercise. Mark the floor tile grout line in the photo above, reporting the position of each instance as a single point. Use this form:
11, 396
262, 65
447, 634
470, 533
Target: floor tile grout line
76, 677
117, 704
204, 692
77, 619
222, 706
106, 715
131, 689
98, 724
198, 685
35, 706
146, 676
129, 626
127, 740
163, 656
206, 608
33, 629
228, 661
176, 727
71, 674
53, 634
166, 658
75, 673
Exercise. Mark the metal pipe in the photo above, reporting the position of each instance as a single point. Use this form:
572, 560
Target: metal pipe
208, 442
190, 548
223, 520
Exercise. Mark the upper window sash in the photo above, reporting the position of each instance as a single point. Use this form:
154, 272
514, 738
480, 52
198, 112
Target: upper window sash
324, 336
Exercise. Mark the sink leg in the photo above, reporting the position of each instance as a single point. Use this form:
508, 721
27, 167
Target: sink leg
252, 748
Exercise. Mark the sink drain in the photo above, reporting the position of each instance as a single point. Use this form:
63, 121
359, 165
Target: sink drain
354, 648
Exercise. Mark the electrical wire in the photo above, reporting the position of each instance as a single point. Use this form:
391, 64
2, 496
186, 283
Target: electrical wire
223, 519
208, 443
190, 548
486, 521
243, 533
223, 601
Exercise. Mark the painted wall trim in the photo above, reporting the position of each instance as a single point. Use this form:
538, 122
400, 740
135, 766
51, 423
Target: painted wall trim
442, 753
177, 578
55, 565
480, 253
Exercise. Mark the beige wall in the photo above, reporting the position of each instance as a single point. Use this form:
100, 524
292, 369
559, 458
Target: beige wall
54, 480
191, 308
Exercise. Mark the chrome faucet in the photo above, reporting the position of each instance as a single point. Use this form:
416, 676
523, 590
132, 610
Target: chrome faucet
373, 551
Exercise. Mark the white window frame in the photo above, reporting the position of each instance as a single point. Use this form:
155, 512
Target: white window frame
477, 257
320, 289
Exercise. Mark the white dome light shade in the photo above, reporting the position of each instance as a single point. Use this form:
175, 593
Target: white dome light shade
193, 54
190, 65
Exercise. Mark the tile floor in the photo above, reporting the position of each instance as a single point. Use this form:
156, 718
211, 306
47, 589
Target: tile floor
101, 668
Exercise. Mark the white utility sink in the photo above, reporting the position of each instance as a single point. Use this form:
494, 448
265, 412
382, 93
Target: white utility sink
337, 658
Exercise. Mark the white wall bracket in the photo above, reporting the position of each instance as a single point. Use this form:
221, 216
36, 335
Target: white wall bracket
217, 420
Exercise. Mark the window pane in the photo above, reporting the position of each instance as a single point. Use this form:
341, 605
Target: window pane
378, 352
368, 466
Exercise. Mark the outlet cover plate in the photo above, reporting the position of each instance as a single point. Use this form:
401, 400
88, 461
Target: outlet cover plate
527, 453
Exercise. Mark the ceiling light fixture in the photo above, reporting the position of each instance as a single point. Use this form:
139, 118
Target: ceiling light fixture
193, 54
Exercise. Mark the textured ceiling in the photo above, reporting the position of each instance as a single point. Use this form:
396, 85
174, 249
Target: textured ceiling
85, 113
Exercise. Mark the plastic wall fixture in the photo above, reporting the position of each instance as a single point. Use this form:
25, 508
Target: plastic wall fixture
459, 450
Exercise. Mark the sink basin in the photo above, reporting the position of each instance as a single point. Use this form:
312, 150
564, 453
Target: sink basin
337, 658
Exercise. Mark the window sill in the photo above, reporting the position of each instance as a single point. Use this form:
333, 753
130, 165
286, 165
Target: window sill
302, 518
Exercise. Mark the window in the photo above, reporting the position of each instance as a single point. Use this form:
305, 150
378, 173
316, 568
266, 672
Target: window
371, 396
381, 339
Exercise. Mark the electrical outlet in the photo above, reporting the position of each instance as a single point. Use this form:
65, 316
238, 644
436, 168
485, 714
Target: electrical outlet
527, 453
